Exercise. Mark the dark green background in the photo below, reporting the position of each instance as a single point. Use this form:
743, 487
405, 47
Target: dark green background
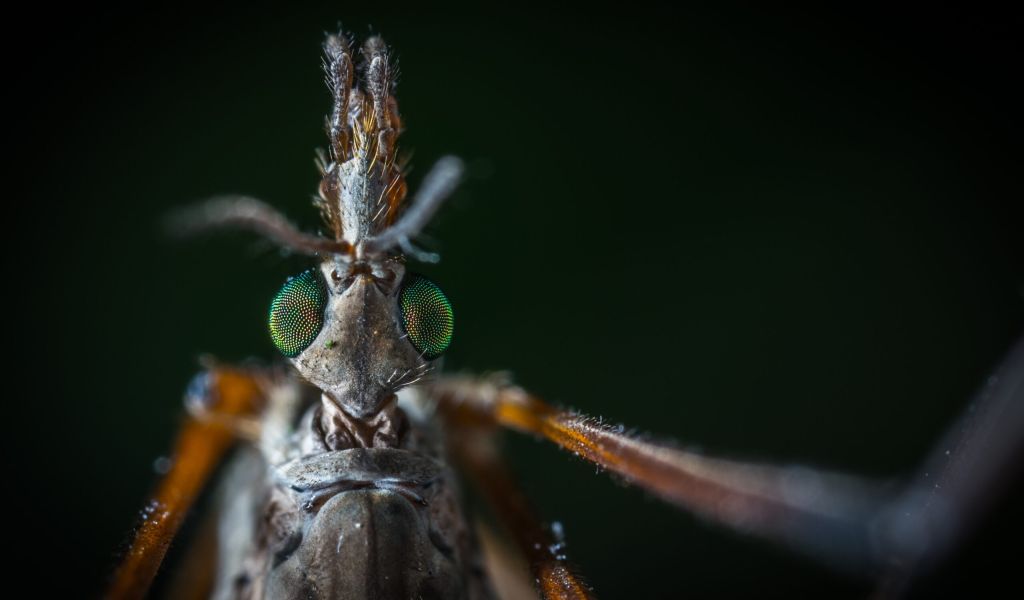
780, 236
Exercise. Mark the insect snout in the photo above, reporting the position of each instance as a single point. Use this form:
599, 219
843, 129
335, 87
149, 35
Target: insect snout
385, 275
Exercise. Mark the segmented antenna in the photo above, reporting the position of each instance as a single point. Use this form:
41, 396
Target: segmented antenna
363, 186
338, 71
378, 80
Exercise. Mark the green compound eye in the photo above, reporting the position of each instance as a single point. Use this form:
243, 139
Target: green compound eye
297, 313
427, 316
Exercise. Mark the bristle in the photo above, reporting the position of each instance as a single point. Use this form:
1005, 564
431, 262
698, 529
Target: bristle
364, 124
338, 70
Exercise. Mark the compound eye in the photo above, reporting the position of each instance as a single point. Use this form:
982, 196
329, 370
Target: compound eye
297, 313
426, 315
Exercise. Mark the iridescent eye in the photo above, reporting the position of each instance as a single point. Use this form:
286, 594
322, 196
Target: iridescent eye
297, 313
427, 316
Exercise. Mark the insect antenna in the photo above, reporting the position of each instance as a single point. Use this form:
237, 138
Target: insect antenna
243, 212
378, 75
439, 183
338, 71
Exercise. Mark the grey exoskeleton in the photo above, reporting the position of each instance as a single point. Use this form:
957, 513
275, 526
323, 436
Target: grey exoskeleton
344, 489
352, 498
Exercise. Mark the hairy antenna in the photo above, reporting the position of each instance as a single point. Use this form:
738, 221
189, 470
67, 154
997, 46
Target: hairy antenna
242, 212
439, 183
378, 80
338, 74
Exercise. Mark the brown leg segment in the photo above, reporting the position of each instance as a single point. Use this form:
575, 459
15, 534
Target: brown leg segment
825, 515
194, 577
230, 395
843, 521
477, 454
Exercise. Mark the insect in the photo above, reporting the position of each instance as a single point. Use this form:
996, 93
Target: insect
351, 402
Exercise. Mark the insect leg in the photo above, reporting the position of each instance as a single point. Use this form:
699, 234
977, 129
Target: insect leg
826, 515
475, 449
979, 456
227, 394
195, 576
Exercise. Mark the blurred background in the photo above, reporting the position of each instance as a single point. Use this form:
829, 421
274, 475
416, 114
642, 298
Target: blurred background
785, 236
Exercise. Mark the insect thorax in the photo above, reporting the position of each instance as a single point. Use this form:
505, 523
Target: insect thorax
303, 521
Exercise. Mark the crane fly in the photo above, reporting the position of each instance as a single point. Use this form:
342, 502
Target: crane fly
345, 483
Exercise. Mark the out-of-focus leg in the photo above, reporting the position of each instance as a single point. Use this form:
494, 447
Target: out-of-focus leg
980, 456
223, 402
477, 453
826, 515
